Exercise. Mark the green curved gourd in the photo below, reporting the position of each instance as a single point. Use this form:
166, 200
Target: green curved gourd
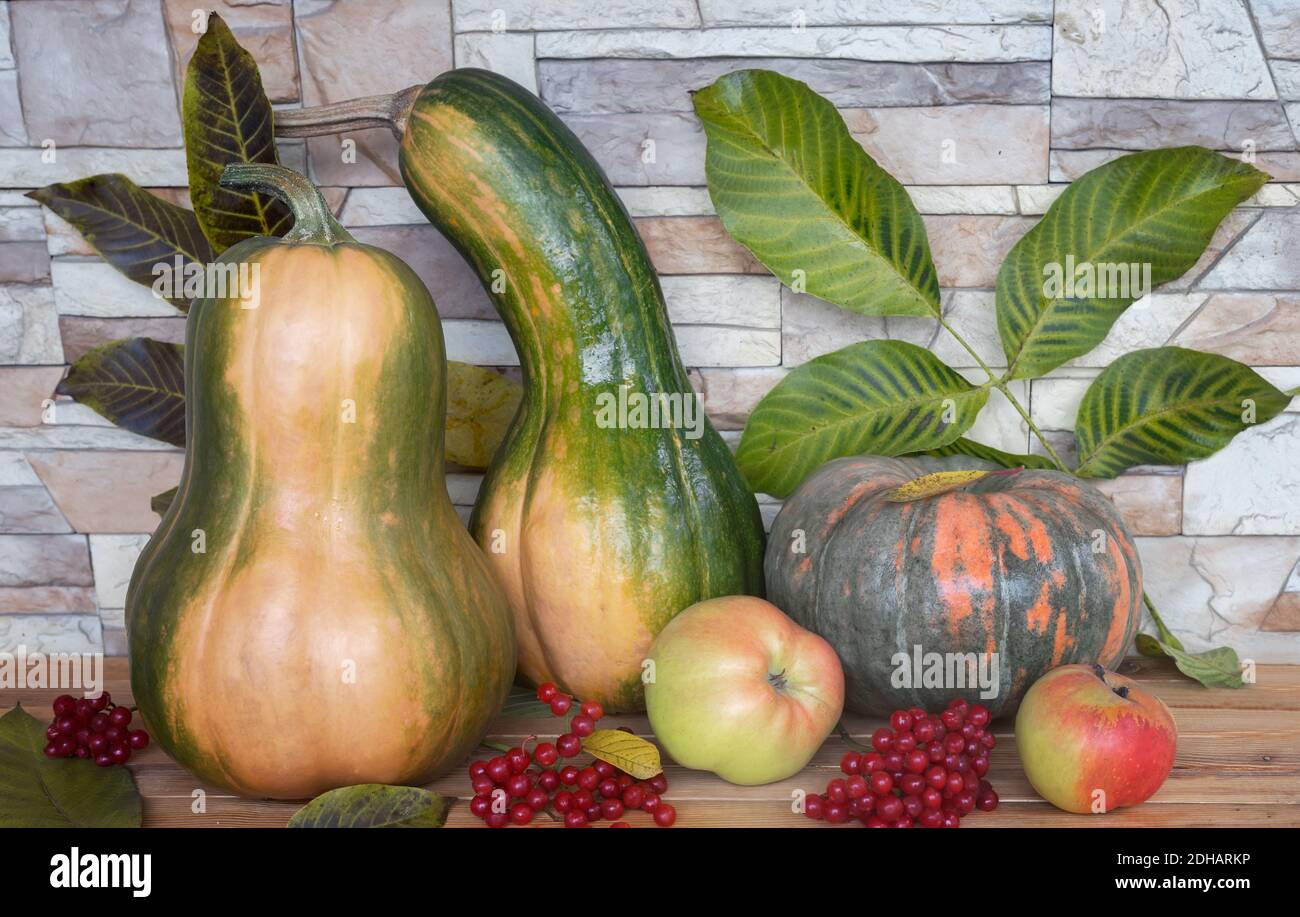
600, 534
310, 613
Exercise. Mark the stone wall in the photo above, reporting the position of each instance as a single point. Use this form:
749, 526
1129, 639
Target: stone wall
1028, 94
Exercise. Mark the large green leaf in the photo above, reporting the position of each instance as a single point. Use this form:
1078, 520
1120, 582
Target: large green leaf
134, 230
41, 792
793, 186
1167, 406
373, 805
227, 118
1158, 208
137, 383
969, 447
879, 397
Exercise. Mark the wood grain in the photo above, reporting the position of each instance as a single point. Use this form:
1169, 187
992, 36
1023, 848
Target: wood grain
1238, 765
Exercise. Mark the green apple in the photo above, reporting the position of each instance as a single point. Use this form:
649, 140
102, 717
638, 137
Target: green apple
739, 689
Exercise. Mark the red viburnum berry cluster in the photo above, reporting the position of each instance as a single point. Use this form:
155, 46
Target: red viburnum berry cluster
581, 796
92, 728
925, 772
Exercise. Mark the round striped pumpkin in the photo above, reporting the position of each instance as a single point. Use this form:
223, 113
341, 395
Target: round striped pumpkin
311, 613
1015, 573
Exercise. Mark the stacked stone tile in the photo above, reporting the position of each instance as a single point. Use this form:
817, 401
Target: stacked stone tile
983, 109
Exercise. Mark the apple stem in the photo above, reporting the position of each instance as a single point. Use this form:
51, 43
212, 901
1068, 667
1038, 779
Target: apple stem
1101, 672
777, 681
1122, 691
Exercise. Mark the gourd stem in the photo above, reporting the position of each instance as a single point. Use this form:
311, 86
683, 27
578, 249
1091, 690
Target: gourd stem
1001, 386
390, 110
312, 220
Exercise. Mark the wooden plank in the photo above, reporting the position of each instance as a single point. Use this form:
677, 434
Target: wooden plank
1240, 749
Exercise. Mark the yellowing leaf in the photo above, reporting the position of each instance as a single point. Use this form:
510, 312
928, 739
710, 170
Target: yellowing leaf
626, 751
480, 405
939, 482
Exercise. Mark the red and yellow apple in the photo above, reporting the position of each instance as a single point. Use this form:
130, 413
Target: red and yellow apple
739, 689
1093, 741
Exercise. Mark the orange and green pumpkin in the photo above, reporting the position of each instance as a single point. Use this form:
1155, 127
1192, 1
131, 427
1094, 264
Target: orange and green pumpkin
600, 533
1032, 569
310, 612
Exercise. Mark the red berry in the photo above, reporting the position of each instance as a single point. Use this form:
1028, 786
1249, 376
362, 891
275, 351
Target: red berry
953, 743
548, 781
951, 719
633, 796
951, 820
480, 805
53, 733
604, 768
569, 775
980, 765
987, 801
904, 822
871, 761
937, 777
837, 813
477, 769
988, 740
563, 801
83, 711
931, 798
66, 725
923, 730
972, 780
545, 754
518, 759
497, 819
812, 807
930, 818
612, 809
483, 786
568, 745
64, 705
837, 791
498, 769
881, 782
83, 751
882, 740
913, 806
650, 803
537, 799
955, 783
120, 716
99, 703
659, 783
912, 784
592, 710
964, 802
594, 812
916, 761
99, 722
889, 808
546, 691
851, 763
137, 738
856, 786
900, 721
904, 743
582, 799
582, 726
119, 753
876, 821
665, 815
610, 789
588, 778
575, 819
560, 704
52, 750
103, 760
620, 824
518, 785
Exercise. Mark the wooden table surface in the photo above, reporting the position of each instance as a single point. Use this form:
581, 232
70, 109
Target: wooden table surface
1238, 764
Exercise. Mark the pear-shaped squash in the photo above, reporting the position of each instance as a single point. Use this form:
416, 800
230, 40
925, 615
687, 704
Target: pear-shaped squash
310, 612
612, 504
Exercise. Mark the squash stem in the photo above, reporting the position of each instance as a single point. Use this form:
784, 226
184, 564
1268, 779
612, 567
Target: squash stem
391, 110
312, 220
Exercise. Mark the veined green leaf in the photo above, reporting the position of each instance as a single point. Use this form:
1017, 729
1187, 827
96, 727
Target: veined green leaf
792, 185
373, 805
964, 446
138, 383
227, 118
133, 229
41, 792
1167, 406
1156, 209
878, 397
